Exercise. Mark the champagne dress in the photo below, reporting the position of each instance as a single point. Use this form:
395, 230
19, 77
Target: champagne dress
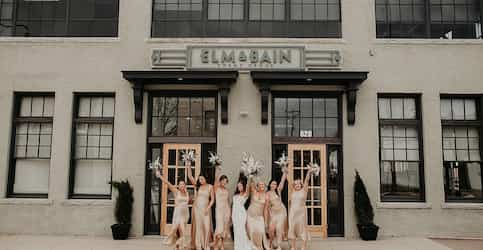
297, 218
222, 213
278, 217
256, 221
201, 230
180, 218
239, 217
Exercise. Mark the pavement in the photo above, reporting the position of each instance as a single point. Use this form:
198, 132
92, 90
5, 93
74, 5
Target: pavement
44, 242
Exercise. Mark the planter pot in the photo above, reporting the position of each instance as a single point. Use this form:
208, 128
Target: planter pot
120, 231
368, 232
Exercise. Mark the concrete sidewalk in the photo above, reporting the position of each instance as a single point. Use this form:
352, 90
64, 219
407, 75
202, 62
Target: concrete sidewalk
30, 242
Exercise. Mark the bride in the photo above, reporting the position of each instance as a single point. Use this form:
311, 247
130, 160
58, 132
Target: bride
239, 217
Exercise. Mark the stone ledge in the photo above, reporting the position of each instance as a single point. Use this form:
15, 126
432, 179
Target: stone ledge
466, 206
403, 205
87, 203
58, 40
409, 41
220, 41
26, 201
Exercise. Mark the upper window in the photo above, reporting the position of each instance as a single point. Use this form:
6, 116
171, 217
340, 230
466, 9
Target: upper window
306, 117
31, 146
401, 155
92, 146
253, 18
67, 18
428, 18
184, 116
461, 125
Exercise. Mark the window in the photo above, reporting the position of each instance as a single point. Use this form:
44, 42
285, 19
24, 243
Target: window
193, 116
305, 117
253, 18
93, 128
428, 18
400, 144
461, 126
31, 145
69, 18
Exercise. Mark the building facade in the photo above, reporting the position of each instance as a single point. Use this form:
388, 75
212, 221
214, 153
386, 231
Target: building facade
92, 91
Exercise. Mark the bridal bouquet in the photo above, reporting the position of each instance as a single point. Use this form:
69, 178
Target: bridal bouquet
249, 166
283, 163
188, 156
155, 166
314, 168
215, 159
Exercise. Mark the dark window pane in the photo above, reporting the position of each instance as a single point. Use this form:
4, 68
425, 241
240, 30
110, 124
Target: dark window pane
400, 180
463, 181
280, 106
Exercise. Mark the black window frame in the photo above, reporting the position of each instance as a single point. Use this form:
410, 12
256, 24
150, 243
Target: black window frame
427, 23
416, 123
478, 124
264, 27
17, 99
90, 120
22, 30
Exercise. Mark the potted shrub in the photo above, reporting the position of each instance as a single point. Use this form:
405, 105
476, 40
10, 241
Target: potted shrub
364, 211
122, 210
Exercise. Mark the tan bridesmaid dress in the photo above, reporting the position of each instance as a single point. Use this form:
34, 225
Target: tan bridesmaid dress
278, 217
202, 232
297, 218
180, 218
223, 213
256, 222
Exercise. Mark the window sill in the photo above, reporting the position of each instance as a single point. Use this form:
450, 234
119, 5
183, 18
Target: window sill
246, 40
87, 203
408, 41
403, 205
26, 201
57, 40
467, 206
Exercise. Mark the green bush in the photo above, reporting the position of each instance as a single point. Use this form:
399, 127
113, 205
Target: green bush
363, 207
124, 202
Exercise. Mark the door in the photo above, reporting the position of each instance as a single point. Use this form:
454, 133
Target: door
175, 170
300, 155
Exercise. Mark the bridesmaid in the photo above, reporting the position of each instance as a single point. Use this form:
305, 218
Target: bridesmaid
257, 214
222, 210
297, 218
181, 212
277, 226
239, 216
201, 234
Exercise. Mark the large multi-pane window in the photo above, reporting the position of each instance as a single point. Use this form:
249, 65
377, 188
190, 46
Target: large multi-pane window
69, 18
461, 125
93, 128
306, 117
31, 145
240, 18
193, 116
401, 157
428, 18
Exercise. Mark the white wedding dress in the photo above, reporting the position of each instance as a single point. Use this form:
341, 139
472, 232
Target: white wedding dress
239, 218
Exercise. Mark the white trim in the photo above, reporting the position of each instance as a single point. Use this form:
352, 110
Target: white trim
26, 201
404, 205
87, 203
467, 206
248, 40
410, 41
66, 40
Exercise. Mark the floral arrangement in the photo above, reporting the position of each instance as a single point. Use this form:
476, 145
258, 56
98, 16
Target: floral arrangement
215, 159
188, 156
314, 168
283, 163
249, 166
156, 165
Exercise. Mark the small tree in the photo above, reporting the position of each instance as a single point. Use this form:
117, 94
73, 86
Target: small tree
363, 207
124, 202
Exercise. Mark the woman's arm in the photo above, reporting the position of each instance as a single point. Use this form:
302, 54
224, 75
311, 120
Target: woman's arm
266, 209
163, 179
281, 185
190, 173
212, 199
217, 178
307, 179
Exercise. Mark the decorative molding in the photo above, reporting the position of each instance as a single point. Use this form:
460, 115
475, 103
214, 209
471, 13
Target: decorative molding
265, 97
26, 201
138, 97
351, 95
224, 104
403, 205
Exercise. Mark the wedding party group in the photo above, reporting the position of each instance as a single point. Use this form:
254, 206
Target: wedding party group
258, 216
